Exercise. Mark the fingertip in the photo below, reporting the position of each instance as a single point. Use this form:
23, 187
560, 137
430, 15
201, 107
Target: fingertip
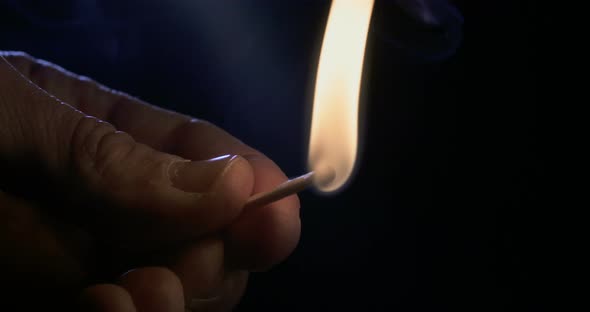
199, 207
264, 236
154, 289
232, 290
200, 268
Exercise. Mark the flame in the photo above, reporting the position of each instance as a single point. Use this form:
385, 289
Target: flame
334, 125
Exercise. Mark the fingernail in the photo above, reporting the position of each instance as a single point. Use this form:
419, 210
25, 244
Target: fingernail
226, 288
228, 174
198, 176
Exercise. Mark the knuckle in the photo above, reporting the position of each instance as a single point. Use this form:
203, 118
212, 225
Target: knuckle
100, 150
112, 148
88, 134
93, 142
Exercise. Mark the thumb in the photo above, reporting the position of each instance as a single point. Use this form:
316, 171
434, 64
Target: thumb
144, 193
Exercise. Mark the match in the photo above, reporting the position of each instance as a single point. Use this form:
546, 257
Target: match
286, 189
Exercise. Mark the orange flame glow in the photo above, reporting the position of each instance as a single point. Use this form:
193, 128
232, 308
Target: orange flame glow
334, 127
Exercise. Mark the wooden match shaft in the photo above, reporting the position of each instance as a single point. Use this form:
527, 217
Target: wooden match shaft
288, 188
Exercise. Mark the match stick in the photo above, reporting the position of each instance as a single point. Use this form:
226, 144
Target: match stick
288, 188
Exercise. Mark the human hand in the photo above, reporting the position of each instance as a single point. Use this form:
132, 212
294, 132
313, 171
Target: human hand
82, 203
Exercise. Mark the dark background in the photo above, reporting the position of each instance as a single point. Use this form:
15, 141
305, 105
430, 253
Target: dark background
440, 214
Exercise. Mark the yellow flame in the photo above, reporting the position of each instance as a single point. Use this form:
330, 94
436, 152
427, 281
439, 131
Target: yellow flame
334, 126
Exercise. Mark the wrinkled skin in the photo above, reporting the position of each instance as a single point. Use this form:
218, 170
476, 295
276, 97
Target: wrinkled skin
110, 204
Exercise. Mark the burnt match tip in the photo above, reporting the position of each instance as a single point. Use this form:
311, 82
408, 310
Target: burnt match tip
324, 176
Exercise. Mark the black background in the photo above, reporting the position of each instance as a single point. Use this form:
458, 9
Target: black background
439, 216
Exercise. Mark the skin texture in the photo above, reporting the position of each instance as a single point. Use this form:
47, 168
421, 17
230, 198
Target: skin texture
124, 205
